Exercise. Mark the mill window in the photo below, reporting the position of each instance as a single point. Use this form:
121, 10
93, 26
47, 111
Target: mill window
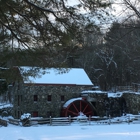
62, 98
49, 98
35, 114
35, 97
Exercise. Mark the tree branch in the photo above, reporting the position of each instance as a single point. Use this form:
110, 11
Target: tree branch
132, 7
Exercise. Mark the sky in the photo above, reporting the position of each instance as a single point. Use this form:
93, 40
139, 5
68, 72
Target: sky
72, 2
123, 11
72, 132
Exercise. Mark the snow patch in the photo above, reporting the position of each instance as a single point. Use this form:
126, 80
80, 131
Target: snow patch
93, 91
25, 116
5, 106
70, 101
115, 95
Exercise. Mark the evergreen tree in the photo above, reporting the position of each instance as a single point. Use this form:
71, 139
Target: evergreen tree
41, 30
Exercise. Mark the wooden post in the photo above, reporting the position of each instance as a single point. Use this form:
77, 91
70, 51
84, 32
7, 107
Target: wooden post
89, 119
129, 119
69, 119
109, 122
50, 120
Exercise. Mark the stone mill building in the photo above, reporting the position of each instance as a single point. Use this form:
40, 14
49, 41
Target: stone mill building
66, 92
43, 92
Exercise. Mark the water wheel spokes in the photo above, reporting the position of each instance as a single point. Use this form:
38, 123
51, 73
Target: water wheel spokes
75, 107
88, 113
72, 112
78, 107
85, 108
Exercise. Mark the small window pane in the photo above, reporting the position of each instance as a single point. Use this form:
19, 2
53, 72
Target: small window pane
35, 114
35, 98
62, 98
49, 97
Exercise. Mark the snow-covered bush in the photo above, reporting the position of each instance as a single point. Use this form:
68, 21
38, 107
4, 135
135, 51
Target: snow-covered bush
25, 119
25, 116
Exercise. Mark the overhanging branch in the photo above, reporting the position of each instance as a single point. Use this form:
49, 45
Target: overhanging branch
132, 7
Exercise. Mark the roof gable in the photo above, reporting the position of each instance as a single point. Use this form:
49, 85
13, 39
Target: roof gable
70, 76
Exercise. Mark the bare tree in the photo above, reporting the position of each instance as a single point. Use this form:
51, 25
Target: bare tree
133, 6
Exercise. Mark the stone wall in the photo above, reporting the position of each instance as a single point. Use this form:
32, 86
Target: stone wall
24, 99
116, 106
132, 102
98, 101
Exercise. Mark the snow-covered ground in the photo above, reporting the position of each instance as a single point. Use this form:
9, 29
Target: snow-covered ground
72, 132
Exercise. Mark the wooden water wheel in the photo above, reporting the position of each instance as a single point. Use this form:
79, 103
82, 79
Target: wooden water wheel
77, 107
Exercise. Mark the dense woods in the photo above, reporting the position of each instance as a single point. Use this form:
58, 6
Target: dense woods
53, 33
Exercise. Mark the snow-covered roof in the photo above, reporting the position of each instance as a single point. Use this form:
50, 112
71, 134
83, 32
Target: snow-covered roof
109, 94
113, 95
93, 92
69, 76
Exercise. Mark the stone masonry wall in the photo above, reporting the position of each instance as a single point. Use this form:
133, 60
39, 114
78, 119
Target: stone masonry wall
24, 99
98, 102
132, 102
